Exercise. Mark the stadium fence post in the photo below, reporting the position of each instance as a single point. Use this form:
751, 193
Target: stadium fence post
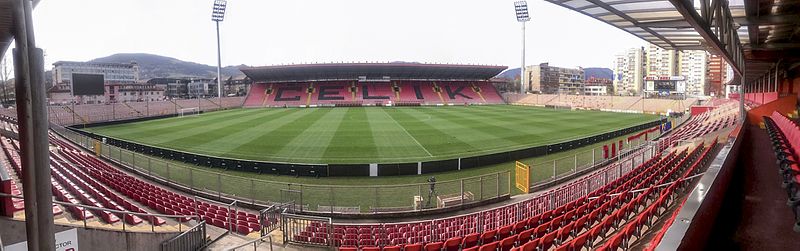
191, 180
149, 167
498, 184
554, 171
481, 186
168, 179
133, 161
252, 190
593, 154
419, 187
84, 216
331, 199
576, 164
377, 198
219, 186
462, 191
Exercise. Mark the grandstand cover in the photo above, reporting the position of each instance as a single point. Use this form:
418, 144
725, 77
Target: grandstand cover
372, 71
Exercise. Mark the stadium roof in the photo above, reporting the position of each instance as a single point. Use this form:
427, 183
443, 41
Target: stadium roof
354, 71
7, 25
764, 31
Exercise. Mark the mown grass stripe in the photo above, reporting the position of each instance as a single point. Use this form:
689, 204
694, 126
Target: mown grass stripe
369, 134
351, 140
434, 139
390, 137
312, 143
270, 142
171, 124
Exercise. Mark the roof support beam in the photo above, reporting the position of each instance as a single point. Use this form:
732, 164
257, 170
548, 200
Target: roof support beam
629, 19
772, 46
680, 23
725, 41
767, 20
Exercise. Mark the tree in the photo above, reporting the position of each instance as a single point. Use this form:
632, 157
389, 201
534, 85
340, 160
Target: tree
4, 72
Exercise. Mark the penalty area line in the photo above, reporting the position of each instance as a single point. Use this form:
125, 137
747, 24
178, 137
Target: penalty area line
409, 134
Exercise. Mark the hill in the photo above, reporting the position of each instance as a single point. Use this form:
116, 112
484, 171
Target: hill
512, 73
597, 72
156, 66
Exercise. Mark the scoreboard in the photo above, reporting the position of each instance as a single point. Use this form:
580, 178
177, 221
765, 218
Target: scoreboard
665, 85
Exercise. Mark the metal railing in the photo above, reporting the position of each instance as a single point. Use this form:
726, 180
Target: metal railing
294, 228
255, 243
72, 114
308, 197
269, 218
298, 228
149, 216
553, 170
192, 239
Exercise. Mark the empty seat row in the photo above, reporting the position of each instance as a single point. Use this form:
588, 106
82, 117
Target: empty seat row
785, 137
578, 224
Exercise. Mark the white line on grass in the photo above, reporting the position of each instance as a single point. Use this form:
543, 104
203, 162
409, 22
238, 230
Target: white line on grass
404, 129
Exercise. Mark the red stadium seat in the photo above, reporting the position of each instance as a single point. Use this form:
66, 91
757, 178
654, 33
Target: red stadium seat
452, 244
435, 246
470, 240
491, 246
413, 247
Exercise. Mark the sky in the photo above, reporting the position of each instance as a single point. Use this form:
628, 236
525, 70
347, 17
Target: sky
259, 32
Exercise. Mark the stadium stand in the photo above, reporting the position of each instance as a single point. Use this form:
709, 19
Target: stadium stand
606, 209
332, 93
81, 178
92, 113
698, 126
603, 103
785, 136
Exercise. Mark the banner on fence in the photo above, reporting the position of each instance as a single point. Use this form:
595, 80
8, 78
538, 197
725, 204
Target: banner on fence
98, 149
523, 173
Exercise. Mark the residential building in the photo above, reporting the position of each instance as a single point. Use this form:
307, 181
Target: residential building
237, 86
717, 75
115, 73
660, 62
598, 86
133, 92
693, 65
629, 72
547, 79
202, 88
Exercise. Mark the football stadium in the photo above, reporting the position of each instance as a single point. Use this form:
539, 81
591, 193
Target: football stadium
372, 122
407, 156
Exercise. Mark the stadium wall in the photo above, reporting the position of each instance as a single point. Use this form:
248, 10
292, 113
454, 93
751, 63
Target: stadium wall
383, 169
90, 239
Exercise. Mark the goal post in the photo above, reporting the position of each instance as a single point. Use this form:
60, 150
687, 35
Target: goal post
522, 173
189, 111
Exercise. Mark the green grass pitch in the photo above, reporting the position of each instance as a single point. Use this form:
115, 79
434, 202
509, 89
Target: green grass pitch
369, 134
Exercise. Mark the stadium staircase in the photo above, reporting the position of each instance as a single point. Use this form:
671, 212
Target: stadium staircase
139, 113
477, 91
76, 115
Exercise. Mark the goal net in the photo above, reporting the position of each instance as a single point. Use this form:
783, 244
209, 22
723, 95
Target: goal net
189, 111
